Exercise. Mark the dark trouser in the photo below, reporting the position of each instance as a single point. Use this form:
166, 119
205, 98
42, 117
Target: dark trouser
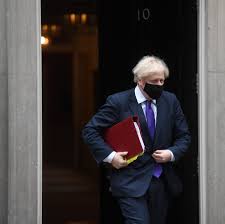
151, 208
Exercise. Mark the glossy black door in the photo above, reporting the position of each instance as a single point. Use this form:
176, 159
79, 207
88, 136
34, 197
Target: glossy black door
129, 30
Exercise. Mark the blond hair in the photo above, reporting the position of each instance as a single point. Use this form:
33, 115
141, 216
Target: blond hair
149, 65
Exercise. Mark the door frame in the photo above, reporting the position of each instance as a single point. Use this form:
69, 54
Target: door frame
202, 116
23, 35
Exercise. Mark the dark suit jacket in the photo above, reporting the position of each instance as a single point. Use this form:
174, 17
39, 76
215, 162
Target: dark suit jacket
171, 133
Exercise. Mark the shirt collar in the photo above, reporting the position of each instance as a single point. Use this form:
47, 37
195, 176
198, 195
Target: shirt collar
140, 97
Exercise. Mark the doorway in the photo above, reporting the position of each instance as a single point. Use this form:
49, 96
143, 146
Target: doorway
69, 68
166, 29
89, 49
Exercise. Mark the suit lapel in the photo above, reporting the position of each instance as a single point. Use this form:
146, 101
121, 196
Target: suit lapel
136, 109
159, 121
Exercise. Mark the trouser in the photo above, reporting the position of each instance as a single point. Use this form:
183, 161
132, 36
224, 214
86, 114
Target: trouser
150, 208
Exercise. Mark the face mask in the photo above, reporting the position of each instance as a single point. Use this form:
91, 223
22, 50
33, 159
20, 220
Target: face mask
153, 91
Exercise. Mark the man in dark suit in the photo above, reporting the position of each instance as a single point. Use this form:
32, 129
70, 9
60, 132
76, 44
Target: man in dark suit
143, 188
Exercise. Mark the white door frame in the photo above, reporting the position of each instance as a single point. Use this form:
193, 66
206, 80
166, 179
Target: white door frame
202, 119
23, 29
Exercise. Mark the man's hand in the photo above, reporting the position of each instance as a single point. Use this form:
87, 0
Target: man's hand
162, 156
119, 161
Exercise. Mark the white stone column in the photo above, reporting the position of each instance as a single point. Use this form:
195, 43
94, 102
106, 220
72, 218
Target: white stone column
212, 111
3, 115
216, 112
24, 111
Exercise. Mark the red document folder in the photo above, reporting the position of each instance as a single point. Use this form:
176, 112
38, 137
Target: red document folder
125, 136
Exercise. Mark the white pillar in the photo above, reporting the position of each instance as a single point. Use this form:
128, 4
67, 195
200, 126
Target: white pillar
212, 110
3, 115
24, 111
216, 112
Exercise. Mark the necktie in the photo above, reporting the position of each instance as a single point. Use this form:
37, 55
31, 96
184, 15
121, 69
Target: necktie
157, 171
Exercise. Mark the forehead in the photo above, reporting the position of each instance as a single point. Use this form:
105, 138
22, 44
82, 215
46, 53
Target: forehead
155, 76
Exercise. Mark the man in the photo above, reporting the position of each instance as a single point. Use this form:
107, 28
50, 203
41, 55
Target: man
143, 187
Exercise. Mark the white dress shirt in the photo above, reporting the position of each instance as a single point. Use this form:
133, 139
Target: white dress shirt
141, 100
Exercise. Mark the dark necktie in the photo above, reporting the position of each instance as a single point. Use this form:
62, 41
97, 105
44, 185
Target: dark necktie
157, 171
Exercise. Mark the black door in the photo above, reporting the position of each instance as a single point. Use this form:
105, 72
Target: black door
128, 30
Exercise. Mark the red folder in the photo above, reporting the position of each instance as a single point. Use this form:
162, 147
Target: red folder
123, 137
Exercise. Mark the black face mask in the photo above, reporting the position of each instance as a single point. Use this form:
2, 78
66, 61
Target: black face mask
153, 91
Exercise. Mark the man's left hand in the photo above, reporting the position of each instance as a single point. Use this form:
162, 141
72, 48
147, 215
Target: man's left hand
162, 156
